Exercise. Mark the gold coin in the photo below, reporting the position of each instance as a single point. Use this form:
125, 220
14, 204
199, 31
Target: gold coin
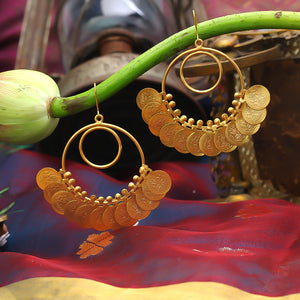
122, 217
167, 133
60, 199
257, 97
95, 218
192, 143
157, 121
244, 127
70, 209
253, 116
149, 194
53, 188
143, 202
47, 175
147, 95
134, 210
221, 142
108, 218
158, 182
207, 145
234, 136
82, 214
151, 109
180, 139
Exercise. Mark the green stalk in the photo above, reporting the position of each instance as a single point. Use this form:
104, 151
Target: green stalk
64, 106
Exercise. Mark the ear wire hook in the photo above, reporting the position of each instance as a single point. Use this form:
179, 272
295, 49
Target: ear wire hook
98, 117
198, 42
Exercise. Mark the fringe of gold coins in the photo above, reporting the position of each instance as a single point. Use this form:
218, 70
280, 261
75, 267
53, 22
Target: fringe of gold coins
248, 111
123, 210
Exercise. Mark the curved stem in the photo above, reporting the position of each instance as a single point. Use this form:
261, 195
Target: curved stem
64, 106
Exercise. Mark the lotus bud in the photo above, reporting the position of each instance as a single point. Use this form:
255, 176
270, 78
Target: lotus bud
24, 106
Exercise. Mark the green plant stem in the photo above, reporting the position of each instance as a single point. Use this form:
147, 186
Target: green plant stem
64, 106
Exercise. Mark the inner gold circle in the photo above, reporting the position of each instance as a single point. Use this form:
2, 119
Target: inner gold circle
116, 137
214, 58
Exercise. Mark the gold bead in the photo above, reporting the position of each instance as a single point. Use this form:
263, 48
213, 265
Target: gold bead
124, 192
109, 198
231, 110
177, 112
224, 116
235, 103
183, 118
101, 199
214, 127
209, 123
169, 97
237, 95
217, 121
131, 185
71, 181
136, 178
142, 170
93, 197
84, 193
118, 196
199, 123
172, 104
77, 189
191, 121
67, 174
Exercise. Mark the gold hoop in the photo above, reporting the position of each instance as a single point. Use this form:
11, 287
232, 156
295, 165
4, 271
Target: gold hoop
102, 213
248, 110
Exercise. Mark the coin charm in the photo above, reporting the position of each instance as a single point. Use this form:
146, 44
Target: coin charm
193, 143
221, 142
59, 200
108, 218
167, 133
147, 95
122, 217
180, 139
207, 145
135, 211
253, 116
244, 127
257, 97
143, 202
159, 182
95, 218
151, 109
46, 176
157, 121
234, 136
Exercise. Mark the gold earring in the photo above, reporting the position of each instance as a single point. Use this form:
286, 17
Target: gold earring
187, 136
103, 213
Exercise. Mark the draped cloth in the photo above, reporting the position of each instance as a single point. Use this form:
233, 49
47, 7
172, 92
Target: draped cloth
188, 248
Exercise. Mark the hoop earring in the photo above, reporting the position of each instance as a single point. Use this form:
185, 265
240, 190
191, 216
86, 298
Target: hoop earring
103, 213
187, 136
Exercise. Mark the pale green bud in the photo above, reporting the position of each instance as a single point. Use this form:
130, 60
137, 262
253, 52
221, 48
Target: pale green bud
24, 103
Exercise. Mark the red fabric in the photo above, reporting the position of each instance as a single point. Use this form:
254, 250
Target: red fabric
252, 245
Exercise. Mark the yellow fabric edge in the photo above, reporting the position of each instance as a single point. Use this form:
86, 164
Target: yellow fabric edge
79, 288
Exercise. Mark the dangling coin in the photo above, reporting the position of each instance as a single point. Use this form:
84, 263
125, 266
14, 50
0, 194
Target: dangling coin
108, 218
53, 188
151, 109
192, 143
234, 136
122, 217
96, 218
257, 97
244, 127
207, 145
253, 116
157, 121
167, 133
150, 195
143, 202
158, 182
147, 95
70, 209
134, 210
82, 214
221, 142
60, 199
180, 139
46, 176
